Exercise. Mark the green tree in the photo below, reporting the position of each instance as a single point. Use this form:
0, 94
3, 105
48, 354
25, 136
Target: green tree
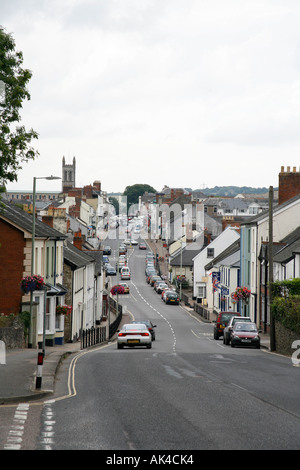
133, 192
114, 202
15, 140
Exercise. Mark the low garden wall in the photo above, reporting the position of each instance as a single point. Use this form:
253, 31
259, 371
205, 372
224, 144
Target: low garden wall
284, 339
12, 334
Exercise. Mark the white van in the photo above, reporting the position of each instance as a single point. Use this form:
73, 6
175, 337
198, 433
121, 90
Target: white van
125, 273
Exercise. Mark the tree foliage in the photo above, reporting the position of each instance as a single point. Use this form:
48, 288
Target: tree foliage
133, 192
15, 140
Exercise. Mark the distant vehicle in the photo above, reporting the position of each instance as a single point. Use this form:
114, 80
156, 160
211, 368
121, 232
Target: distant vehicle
122, 263
105, 259
122, 250
125, 273
134, 242
222, 321
161, 287
153, 279
125, 286
110, 270
228, 328
149, 325
245, 334
107, 250
142, 246
134, 335
172, 298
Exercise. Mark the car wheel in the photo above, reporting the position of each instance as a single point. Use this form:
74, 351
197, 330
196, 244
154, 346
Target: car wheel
216, 336
149, 346
120, 346
232, 345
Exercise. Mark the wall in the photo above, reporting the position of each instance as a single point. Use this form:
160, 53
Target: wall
11, 267
284, 339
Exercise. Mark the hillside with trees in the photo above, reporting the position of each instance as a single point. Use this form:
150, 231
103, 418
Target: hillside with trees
231, 191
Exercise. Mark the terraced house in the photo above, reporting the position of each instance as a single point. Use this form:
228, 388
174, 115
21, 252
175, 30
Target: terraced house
15, 263
255, 238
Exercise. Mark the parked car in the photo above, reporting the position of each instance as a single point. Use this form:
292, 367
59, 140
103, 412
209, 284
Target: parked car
160, 287
164, 291
110, 270
149, 325
228, 328
134, 335
122, 250
125, 286
107, 250
245, 334
221, 323
125, 273
153, 279
149, 272
172, 298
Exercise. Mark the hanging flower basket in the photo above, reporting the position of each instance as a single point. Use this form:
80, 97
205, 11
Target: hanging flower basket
241, 293
117, 290
31, 283
63, 309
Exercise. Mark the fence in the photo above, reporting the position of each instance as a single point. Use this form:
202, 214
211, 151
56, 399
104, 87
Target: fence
114, 325
93, 336
202, 311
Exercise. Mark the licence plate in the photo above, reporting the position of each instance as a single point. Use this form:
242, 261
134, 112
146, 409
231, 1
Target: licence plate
246, 340
131, 341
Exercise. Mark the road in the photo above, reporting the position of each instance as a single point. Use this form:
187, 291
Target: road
189, 392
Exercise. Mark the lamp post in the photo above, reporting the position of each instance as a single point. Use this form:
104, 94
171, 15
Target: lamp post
33, 247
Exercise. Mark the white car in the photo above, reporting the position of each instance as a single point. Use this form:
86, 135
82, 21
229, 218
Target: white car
125, 273
136, 334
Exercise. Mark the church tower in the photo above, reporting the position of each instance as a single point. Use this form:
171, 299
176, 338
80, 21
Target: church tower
68, 175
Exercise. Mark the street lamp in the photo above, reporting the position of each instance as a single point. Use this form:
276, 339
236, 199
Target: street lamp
32, 245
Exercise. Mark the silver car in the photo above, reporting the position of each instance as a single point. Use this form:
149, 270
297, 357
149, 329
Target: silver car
136, 334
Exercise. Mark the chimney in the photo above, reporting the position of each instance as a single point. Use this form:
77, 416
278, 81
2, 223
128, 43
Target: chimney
77, 240
289, 184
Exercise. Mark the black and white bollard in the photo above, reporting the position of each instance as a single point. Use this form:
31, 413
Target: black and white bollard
39, 374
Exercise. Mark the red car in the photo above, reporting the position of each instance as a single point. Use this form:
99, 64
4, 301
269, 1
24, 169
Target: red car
222, 321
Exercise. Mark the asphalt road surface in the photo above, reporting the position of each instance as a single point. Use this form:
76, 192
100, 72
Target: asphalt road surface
188, 392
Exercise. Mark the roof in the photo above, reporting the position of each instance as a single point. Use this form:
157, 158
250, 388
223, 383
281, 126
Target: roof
187, 257
9, 211
265, 214
229, 257
76, 258
284, 250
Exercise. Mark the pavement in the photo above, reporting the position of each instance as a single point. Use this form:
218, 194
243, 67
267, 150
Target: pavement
19, 368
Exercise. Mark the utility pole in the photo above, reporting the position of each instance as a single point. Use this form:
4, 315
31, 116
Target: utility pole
270, 257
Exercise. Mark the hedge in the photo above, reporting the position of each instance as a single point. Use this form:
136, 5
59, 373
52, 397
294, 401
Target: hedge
286, 310
286, 288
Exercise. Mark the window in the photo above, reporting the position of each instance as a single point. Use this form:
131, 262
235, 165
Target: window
202, 292
210, 252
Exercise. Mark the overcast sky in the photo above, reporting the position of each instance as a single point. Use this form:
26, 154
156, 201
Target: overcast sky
184, 93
